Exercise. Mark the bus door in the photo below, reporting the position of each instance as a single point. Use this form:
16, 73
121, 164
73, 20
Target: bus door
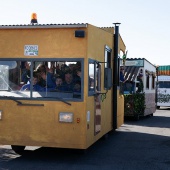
95, 83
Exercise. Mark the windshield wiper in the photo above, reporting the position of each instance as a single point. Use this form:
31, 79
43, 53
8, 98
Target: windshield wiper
20, 103
10, 97
28, 104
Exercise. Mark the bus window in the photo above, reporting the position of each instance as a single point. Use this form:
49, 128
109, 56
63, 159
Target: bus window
98, 77
42, 79
94, 77
4, 72
153, 82
147, 81
163, 84
11, 78
107, 69
91, 77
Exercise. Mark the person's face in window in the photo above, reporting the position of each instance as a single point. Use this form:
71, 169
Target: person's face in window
122, 70
79, 73
68, 78
77, 87
43, 75
59, 81
35, 80
27, 65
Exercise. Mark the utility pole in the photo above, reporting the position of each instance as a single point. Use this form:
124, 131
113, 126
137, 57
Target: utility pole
115, 73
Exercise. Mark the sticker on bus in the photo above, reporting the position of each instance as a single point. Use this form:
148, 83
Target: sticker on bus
31, 50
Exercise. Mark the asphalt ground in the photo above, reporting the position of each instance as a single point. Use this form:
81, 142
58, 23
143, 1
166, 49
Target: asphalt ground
136, 145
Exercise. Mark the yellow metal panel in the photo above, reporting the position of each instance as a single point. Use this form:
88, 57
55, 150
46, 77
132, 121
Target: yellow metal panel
97, 39
51, 43
40, 125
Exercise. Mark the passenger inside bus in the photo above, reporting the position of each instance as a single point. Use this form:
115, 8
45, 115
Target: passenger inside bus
68, 84
123, 83
77, 86
77, 80
36, 87
59, 84
122, 78
140, 83
26, 72
77, 75
47, 78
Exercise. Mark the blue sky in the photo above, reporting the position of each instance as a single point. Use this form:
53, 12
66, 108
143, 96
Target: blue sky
144, 25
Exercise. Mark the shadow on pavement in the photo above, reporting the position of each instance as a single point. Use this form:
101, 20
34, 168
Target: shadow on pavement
149, 121
121, 149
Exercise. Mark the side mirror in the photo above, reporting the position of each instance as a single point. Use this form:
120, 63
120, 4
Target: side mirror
107, 78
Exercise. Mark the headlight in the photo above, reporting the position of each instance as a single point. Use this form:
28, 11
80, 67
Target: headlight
66, 117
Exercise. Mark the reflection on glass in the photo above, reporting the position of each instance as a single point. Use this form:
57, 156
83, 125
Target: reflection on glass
98, 78
4, 72
91, 77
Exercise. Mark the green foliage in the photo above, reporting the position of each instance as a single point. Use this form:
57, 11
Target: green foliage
134, 104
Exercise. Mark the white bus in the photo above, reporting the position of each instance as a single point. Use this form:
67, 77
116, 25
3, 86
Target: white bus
163, 91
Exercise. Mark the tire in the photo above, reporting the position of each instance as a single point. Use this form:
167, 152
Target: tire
18, 149
81, 151
158, 107
105, 137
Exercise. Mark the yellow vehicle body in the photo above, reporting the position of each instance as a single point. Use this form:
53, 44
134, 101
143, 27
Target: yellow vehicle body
36, 122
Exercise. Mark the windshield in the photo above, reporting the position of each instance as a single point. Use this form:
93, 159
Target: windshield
42, 79
164, 84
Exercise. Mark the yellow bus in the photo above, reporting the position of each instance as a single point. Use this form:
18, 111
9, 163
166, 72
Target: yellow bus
33, 110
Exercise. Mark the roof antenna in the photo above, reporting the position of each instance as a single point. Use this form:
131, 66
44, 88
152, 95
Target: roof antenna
34, 18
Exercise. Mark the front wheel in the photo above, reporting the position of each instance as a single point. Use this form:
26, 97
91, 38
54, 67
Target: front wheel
18, 149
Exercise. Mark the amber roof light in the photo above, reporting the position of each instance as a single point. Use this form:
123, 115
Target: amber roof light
34, 18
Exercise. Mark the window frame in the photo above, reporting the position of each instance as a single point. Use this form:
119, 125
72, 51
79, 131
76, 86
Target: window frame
32, 60
153, 81
92, 92
147, 81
